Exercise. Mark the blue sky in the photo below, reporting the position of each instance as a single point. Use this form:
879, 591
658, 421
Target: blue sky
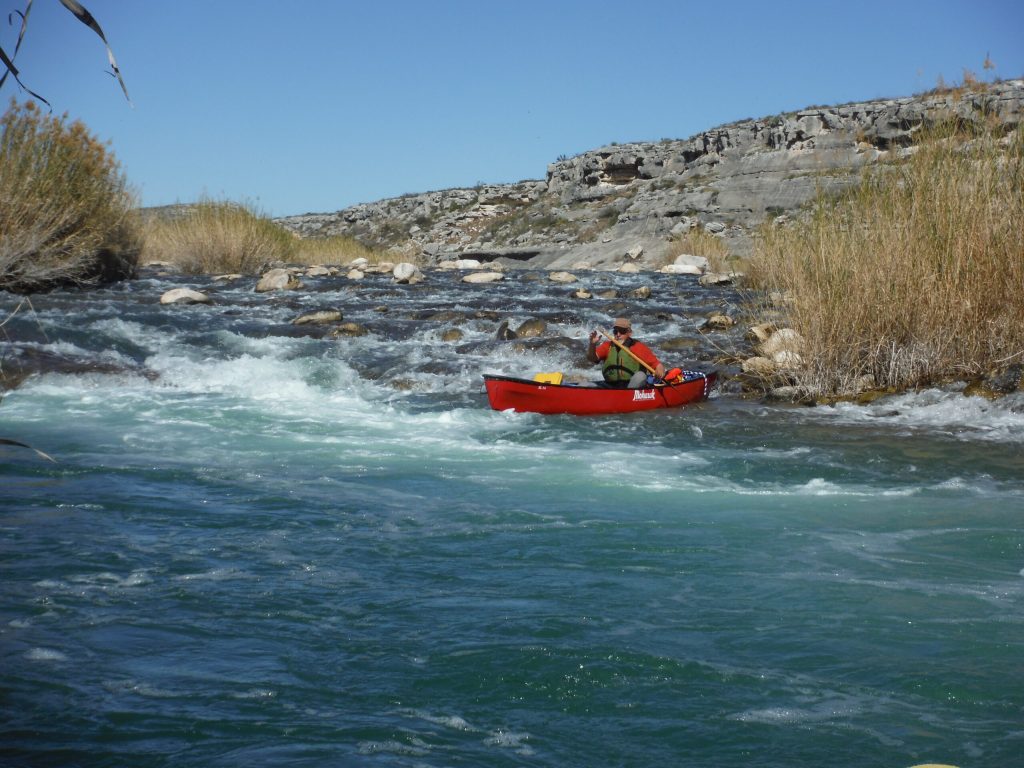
312, 105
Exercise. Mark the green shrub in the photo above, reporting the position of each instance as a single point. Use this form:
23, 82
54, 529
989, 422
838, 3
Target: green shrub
65, 208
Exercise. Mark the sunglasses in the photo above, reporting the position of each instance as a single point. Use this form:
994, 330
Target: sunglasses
620, 330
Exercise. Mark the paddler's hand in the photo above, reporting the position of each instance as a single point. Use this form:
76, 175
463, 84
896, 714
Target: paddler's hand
592, 349
659, 371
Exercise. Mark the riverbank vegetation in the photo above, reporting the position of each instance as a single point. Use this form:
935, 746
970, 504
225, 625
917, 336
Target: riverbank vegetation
213, 237
65, 206
700, 242
914, 277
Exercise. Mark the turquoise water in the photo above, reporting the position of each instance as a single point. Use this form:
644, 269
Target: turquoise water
258, 548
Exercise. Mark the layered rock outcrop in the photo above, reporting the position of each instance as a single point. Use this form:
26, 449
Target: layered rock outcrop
603, 204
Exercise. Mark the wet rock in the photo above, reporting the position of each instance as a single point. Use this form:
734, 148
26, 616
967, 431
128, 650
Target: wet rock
562, 277
504, 332
25, 362
548, 344
278, 279
402, 384
349, 329
184, 296
711, 279
320, 271
355, 274
680, 269
582, 293
407, 274
460, 264
321, 317
641, 293
718, 322
1006, 379
451, 335
789, 393
531, 328
483, 277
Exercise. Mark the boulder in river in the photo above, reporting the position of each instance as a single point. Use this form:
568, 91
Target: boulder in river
349, 329
531, 328
320, 317
407, 274
562, 277
279, 279
483, 277
184, 296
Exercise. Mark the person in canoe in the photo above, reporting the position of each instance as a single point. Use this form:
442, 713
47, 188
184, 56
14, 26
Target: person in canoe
624, 360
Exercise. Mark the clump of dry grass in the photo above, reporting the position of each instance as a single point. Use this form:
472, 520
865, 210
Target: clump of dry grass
699, 242
212, 237
914, 277
65, 207
334, 250
217, 237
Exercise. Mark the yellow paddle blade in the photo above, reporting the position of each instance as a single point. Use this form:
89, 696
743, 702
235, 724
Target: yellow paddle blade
548, 378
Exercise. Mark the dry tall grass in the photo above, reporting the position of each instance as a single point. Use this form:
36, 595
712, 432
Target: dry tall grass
211, 237
217, 237
64, 204
915, 277
700, 242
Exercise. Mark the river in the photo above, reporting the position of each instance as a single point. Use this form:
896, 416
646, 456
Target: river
262, 546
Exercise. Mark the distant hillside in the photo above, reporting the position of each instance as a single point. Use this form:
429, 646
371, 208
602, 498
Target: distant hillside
598, 205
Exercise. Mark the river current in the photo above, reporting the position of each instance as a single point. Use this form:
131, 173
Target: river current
263, 546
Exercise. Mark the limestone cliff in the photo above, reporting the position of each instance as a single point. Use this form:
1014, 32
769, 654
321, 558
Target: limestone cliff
601, 204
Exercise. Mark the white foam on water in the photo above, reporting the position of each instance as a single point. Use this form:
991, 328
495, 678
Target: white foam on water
716, 484
413, 748
217, 574
45, 655
258, 694
453, 722
107, 580
946, 412
818, 486
516, 741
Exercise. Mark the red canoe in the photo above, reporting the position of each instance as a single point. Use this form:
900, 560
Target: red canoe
523, 395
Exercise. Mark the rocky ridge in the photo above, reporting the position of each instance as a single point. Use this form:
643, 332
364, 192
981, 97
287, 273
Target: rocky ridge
627, 202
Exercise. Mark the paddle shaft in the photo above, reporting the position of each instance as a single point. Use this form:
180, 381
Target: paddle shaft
626, 350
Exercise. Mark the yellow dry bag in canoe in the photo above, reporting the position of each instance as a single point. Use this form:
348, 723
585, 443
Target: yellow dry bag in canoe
548, 378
